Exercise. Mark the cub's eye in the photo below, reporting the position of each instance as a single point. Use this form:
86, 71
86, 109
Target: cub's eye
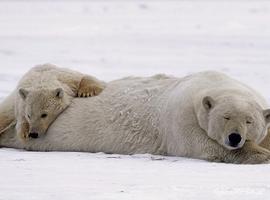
227, 118
44, 115
249, 122
28, 116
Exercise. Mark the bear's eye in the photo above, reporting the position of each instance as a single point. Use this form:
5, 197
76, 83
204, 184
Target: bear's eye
227, 118
44, 115
28, 116
249, 122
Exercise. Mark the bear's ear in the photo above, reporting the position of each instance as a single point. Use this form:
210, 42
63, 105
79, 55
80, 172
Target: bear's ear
23, 93
266, 114
59, 92
208, 103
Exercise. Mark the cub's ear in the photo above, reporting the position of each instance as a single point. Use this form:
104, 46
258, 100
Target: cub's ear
59, 92
266, 114
208, 103
23, 93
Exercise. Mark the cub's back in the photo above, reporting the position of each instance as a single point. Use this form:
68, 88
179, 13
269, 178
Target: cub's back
40, 77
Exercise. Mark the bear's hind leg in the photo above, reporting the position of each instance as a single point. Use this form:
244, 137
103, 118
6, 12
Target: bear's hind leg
5, 122
7, 113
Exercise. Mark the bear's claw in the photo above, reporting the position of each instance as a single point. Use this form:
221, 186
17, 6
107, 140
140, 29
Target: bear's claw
89, 88
23, 131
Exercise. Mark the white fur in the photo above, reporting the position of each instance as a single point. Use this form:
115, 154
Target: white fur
44, 90
156, 115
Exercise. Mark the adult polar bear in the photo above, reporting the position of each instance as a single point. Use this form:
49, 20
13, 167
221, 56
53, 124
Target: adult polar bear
207, 115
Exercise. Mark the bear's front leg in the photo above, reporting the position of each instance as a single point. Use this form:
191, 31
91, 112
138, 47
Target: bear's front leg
89, 86
22, 129
251, 153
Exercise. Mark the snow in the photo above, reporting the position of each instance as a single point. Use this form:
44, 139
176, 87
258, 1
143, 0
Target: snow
112, 39
56, 175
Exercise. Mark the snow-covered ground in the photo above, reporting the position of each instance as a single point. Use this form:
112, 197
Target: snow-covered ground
112, 39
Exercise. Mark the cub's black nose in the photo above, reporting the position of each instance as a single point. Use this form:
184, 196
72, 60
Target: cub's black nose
234, 139
33, 135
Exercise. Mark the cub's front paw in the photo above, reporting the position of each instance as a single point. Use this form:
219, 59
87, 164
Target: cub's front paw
89, 87
23, 132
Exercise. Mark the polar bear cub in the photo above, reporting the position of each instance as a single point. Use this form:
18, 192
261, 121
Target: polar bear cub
42, 94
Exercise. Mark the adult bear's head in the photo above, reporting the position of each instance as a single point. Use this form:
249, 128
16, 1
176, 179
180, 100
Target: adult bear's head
232, 121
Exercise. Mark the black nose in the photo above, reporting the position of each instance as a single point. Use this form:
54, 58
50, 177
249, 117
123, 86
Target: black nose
234, 139
33, 135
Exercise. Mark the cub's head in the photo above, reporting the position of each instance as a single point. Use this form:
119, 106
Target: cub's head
42, 107
231, 122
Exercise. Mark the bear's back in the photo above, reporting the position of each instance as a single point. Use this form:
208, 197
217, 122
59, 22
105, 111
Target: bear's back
41, 77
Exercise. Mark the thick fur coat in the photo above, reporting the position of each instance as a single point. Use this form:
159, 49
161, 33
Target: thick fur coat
41, 95
157, 115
